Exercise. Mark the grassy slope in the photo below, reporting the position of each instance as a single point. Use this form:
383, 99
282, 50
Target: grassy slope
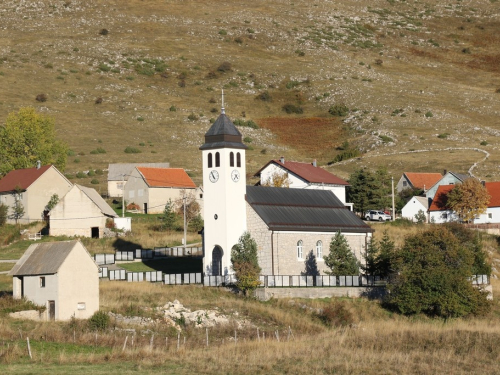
439, 58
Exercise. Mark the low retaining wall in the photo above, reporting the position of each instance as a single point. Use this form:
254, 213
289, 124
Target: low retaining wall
265, 294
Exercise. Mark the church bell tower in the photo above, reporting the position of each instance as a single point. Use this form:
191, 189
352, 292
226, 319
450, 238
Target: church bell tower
224, 189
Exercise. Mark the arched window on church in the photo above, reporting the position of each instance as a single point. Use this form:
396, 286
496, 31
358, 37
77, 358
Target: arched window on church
319, 250
217, 159
231, 159
238, 160
209, 160
300, 250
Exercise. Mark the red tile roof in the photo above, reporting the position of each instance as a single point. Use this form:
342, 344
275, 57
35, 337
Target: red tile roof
21, 178
493, 189
439, 203
166, 177
308, 172
421, 180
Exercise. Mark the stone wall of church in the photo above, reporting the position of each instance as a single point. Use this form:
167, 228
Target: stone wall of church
280, 249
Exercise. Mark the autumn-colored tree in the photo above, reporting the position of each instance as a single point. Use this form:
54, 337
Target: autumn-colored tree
27, 137
278, 179
468, 199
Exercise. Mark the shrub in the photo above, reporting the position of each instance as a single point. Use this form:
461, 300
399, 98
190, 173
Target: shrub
94, 181
484, 143
346, 155
339, 110
104, 32
336, 315
140, 118
224, 67
91, 173
3, 214
238, 40
248, 124
99, 172
131, 150
428, 114
133, 206
443, 135
264, 96
292, 84
99, 321
173, 108
98, 101
81, 175
98, 150
222, 32
192, 117
291, 108
247, 140
41, 98
386, 139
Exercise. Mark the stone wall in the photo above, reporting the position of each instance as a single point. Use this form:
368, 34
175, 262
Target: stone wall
265, 294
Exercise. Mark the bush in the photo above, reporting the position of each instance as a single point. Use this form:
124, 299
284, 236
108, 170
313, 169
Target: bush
192, 117
225, 67
339, 110
41, 98
248, 124
346, 155
3, 214
104, 32
91, 173
336, 315
291, 108
443, 135
99, 321
428, 114
484, 143
173, 108
99, 172
94, 181
81, 175
98, 101
264, 96
132, 150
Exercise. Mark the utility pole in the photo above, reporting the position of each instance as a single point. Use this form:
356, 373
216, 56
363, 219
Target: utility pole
123, 195
184, 199
393, 211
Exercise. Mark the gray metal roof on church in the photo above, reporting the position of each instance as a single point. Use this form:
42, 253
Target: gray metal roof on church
303, 210
223, 133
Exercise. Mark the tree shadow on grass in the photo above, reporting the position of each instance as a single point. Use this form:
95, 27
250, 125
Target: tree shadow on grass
176, 264
123, 245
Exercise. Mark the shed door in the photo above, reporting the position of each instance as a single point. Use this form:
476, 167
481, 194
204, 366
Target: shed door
52, 310
94, 232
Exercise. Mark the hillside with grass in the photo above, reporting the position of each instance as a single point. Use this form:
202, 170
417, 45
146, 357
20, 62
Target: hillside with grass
410, 85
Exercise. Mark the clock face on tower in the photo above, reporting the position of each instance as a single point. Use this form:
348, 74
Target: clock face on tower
213, 176
235, 175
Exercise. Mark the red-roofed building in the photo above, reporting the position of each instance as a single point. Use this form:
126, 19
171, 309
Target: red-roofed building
439, 211
36, 186
151, 188
492, 214
422, 181
303, 176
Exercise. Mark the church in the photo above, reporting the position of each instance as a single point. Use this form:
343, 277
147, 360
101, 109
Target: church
287, 224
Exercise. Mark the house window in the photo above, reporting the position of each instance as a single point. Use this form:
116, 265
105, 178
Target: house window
300, 248
81, 306
238, 160
490, 215
140, 192
445, 216
319, 250
131, 194
231, 159
217, 159
210, 160
405, 184
42, 281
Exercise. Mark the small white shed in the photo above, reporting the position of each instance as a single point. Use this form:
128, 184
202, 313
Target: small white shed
414, 205
62, 276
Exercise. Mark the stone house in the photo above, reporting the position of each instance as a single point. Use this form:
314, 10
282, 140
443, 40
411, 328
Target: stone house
119, 173
81, 212
61, 276
151, 188
36, 186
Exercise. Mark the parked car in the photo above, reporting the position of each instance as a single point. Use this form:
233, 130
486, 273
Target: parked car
377, 216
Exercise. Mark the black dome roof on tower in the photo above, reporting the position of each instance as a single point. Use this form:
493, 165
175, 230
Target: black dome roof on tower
223, 134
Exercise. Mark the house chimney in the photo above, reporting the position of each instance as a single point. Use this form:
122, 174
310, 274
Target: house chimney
444, 172
314, 163
38, 164
282, 160
483, 183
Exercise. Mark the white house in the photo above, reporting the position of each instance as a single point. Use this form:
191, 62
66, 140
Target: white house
449, 178
286, 223
303, 176
422, 181
492, 214
36, 186
81, 212
414, 206
438, 210
119, 173
62, 276
152, 188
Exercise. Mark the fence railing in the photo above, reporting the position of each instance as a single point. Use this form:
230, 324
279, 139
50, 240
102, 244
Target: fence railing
157, 252
103, 259
286, 281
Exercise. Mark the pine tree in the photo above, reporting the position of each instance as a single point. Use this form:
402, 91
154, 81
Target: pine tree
169, 216
370, 255
340, 259
386, 257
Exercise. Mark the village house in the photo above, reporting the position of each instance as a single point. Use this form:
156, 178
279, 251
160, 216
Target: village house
119, 173
286, 223
420, 181
152, 188
81, 212
33, 187
303, 176
414, 206
449, 178
439, 212
61, 276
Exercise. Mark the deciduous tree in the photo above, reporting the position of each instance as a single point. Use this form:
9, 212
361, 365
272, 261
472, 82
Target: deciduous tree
468, 199
245, 263
278, 179
169, 216
341, 260
27, 137
433, 277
